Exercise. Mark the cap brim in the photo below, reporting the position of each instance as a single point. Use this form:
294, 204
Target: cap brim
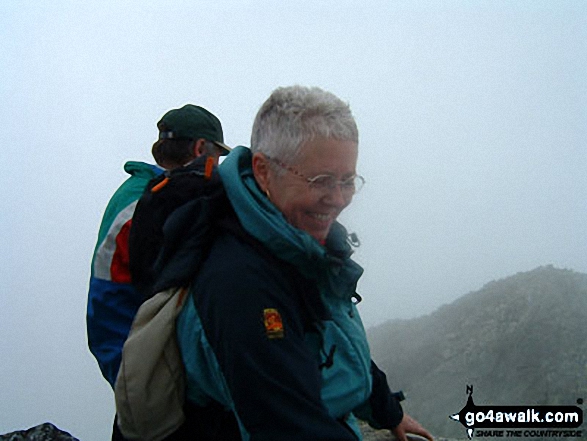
223, 146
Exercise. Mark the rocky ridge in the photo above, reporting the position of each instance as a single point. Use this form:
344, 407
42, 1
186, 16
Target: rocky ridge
521, 340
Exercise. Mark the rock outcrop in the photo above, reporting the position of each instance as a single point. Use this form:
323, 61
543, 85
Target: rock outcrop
42, 432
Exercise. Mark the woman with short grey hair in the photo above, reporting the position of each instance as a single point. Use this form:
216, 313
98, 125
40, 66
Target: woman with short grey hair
270, 335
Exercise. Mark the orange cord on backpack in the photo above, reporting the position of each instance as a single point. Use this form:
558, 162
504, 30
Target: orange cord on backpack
160, 185
209, 167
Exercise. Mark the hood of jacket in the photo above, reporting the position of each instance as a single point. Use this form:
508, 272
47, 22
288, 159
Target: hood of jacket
142, 169
329, 265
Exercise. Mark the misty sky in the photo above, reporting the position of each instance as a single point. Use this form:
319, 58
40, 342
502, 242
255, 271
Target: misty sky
473, 126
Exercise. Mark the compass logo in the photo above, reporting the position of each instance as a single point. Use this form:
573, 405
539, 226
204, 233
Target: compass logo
508, 418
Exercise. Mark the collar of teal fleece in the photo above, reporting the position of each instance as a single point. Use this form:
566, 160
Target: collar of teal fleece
329, 265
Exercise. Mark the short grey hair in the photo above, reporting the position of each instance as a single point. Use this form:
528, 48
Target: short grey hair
294, 115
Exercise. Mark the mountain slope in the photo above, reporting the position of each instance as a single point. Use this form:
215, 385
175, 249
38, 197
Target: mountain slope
520, 340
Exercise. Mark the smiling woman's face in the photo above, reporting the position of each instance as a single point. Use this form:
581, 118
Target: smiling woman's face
309, 209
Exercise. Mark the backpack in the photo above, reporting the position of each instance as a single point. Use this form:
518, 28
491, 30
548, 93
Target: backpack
154, 237
178, 209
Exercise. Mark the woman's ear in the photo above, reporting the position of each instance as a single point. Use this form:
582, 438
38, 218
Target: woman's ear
261, 171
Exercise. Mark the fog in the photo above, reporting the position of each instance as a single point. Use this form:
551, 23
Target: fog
472, 120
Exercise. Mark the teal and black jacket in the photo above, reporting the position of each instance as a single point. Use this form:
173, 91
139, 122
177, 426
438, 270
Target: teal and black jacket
270, 333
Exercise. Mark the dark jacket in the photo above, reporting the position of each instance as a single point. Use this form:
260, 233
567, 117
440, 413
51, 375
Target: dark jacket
271, 332
154, 246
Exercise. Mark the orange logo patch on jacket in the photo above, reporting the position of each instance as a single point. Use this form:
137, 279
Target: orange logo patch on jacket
273, 323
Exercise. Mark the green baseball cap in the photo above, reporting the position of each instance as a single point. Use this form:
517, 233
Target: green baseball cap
192, 122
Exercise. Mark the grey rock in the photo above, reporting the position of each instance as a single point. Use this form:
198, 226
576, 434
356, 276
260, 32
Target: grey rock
42, 432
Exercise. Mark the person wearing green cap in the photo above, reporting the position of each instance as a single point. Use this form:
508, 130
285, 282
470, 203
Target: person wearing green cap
185, 134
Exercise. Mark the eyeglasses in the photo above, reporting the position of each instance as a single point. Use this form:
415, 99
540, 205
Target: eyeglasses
326, 183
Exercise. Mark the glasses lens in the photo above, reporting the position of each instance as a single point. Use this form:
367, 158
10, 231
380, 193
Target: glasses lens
327, 183
352, 185
323, 182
